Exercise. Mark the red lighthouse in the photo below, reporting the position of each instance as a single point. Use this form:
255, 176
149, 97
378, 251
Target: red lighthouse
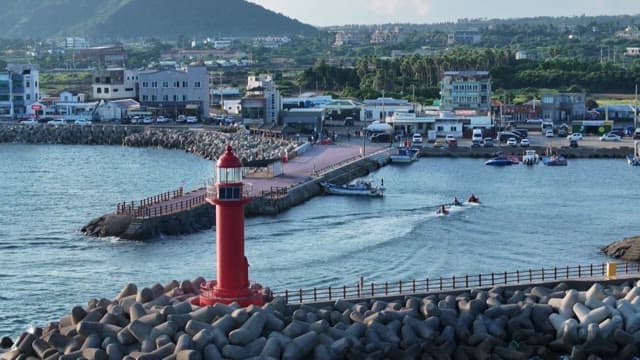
232, 270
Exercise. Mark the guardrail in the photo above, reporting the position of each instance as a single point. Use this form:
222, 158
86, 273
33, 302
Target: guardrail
412, 287
168, 209
320, 172
129, 208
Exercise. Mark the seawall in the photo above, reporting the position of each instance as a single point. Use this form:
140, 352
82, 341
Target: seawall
202, 217
581, 152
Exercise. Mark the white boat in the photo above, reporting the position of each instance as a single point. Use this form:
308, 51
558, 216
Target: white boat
530, 157
357, 187
404, 155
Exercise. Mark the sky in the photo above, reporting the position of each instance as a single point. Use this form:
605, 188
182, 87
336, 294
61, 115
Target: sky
341, 12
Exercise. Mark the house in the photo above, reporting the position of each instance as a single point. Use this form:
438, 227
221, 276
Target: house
464, 37
112, 84
303, 121
184, 91
19, 90
466, 90
116, 110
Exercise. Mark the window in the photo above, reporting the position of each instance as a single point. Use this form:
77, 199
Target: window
184, 97
128, 89
96, 80
165, 84
115, 89
27, 83
99, 90
175, 97
176, 84
106, 90
165, 97
154, 98
28, 97
154, 84
145, 98
145, 84
185, 84
440, 128
454, 128
196, 84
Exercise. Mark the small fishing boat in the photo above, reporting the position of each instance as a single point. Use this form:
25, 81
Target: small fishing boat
404, 155
530, 157
633, 160
554, 160
356, 188
501, 161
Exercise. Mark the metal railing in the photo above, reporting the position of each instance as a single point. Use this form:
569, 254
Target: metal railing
129, 208
427, 285
170, 208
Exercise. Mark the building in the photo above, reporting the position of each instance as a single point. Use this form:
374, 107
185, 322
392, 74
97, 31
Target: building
113, 84
344, 110
19, 90
262, 102
75, 43
464, 37
116, 110
223, 94
304, 121
633, 51
381, 108
103, 54
563, 108
466, 90
175, 92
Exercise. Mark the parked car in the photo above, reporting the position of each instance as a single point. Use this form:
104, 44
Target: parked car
488, 142
82, 122
449, 138
524, 142
417, 138
610, 137
548, 133
636, 134
136, 120
575, 136
162, 119
147, 120
618, 131
512, 142
56, 122
181, 118
439, 143
29, 122
192, 119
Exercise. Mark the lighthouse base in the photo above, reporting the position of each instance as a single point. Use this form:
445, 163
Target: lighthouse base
211, 294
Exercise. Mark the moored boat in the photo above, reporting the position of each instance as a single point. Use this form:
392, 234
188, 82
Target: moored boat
500, 161
404, 155
633, 160
530, 157
554, 160
357, 188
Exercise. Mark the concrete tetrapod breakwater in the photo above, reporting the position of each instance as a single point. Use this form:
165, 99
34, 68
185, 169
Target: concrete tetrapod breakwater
576, 319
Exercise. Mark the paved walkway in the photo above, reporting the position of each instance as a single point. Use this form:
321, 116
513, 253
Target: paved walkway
296, 171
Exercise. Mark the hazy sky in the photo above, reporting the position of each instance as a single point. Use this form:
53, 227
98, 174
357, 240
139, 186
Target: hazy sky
340, 12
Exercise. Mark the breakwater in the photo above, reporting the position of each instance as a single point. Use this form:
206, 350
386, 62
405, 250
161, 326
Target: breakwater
103, 134
194, 214
577, 319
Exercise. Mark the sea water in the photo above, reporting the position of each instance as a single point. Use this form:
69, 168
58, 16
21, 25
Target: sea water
530, 217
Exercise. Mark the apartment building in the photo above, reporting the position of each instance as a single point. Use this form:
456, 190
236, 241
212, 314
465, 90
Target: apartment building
114, 84
19, 90
174, 92
262, 102
466, 90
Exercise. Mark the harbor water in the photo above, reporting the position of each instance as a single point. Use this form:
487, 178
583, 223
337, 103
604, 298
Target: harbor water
530, 217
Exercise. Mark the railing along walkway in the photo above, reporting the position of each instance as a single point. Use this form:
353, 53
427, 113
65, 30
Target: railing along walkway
412, 287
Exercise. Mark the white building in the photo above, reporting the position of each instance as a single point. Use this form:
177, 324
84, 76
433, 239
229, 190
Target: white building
184, 91
19, 90
262, 102
112, 84
381, 108
116, 110
466, 90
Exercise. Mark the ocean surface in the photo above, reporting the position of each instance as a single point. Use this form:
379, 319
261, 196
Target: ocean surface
530, 217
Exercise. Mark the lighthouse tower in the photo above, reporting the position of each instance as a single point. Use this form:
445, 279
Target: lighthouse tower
232, 272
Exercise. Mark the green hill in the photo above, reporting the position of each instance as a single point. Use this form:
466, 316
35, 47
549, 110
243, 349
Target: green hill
131, 19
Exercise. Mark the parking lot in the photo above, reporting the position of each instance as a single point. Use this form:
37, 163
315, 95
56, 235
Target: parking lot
537, 139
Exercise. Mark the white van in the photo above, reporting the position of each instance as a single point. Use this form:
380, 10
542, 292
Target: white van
477, 136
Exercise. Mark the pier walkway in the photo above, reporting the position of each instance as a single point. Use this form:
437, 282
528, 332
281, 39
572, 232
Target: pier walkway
313, 162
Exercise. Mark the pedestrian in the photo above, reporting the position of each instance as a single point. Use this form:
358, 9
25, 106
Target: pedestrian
348, 135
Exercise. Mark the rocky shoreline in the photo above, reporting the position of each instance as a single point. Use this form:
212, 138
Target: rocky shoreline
577, 319
626, 249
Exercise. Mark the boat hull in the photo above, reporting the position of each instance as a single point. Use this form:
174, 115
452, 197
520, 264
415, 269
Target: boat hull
554, 161
633, 161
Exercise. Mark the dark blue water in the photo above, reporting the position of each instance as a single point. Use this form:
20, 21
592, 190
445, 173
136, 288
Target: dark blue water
530, 218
